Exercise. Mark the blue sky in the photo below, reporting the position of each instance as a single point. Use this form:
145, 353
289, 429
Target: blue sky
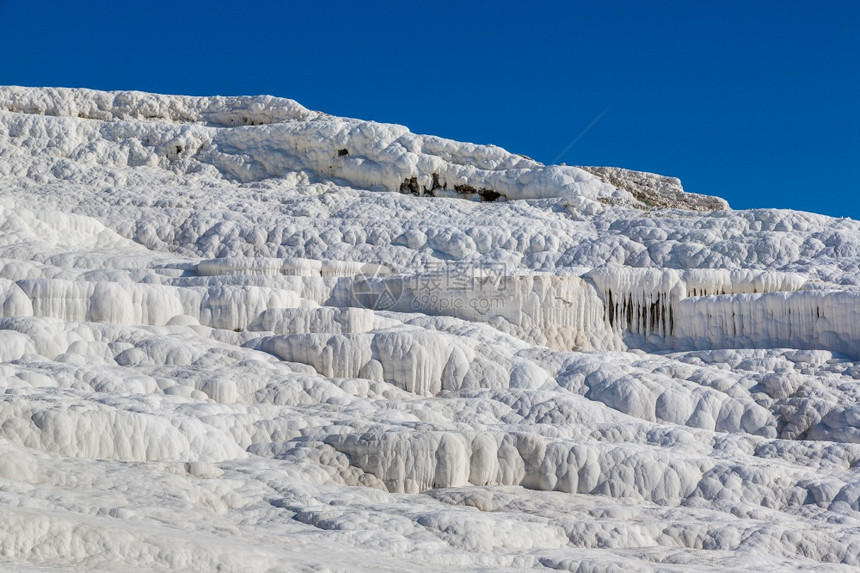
755, 101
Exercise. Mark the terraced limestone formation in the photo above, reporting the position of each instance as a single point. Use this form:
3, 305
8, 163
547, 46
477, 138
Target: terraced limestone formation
241, 335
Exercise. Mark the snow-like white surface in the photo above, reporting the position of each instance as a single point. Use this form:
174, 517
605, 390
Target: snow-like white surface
240, 335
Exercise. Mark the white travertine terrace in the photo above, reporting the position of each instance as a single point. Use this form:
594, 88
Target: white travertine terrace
240, 335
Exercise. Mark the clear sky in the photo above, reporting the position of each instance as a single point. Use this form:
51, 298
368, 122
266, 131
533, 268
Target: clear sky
755, 101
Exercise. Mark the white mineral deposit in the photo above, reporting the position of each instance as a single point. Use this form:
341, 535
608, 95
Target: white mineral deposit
241, 335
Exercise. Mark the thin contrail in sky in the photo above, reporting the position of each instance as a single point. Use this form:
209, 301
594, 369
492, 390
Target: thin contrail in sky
578, 137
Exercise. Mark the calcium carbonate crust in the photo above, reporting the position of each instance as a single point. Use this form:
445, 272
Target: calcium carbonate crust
240, 335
